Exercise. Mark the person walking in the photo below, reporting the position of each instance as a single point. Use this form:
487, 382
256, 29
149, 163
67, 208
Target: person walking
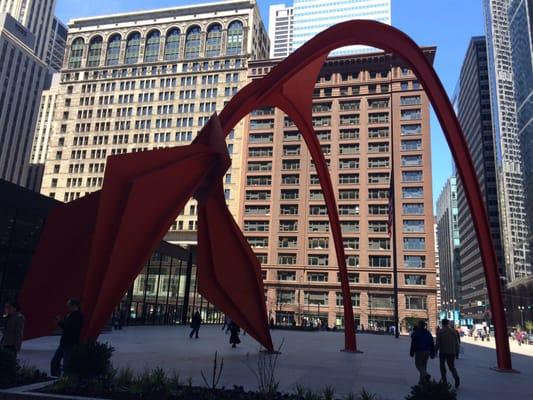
71, 330
13, 328
226, 323
422, 348
234, 337
448, 349
195, 324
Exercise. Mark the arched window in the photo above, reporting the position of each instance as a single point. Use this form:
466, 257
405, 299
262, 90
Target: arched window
192, 42
133, 46
95, 51
151, 50
235, 36
76, 53
113, 50
172, 45
214, 40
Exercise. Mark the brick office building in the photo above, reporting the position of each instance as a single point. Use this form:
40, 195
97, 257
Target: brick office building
362, 104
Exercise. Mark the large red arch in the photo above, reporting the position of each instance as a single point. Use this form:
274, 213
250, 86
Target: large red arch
108, 256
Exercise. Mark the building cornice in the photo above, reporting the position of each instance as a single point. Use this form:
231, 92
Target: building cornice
196, 11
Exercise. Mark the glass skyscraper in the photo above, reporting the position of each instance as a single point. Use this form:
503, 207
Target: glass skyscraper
508, 153
520, 30
313, 16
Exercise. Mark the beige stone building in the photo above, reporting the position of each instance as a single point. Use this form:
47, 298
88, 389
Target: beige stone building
143, 80
363, 107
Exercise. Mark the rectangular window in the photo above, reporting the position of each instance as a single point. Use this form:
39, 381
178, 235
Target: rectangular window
353, 277
407, 115
318, 226
412, 176
318, 243
258, 195
380, 279
351, 243
410, 261
356, 301
416, 192
413, 226
286, 275
412, 145
289, 210
318, 259
286, 259
378, 244
415, 280
416, 302
411, 129
412, 160
285, 296
348, 163
317, 277
256, 226
258, 241
384, 301
379, 261
288, 226
287, 242
414, 243
316, 298
413, 208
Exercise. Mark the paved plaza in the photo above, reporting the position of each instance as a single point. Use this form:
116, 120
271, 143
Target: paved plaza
312, 359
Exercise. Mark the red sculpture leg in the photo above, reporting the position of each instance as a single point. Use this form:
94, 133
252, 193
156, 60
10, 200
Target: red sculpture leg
230, 274
295, 98
59, 266
123, 254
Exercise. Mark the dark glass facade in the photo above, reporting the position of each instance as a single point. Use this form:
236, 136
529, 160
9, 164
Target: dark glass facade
22, 217
166, 290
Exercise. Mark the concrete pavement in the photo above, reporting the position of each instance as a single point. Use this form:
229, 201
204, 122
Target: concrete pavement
312, 359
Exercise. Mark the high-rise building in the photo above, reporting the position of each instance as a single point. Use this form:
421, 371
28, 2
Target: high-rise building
43, 131
144, 80
449, 244
508, 153
360, 104
521, 28
280, 27
37, 16
313, 16
437, 270
56, 46
23, 76
473, 106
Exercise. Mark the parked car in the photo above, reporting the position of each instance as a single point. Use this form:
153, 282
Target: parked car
529, 338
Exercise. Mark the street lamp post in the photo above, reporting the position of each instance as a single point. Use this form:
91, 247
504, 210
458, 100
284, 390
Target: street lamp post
521, 309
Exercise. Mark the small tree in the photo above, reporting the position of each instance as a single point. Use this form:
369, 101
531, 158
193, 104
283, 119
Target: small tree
529, 326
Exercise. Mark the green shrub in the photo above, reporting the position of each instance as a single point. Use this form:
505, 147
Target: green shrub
90, 360
432, 391
8, 368
124, 378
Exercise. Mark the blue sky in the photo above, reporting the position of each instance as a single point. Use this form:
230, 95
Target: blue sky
449, 25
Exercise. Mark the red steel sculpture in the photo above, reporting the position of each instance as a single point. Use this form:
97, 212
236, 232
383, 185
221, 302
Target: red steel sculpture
94, 247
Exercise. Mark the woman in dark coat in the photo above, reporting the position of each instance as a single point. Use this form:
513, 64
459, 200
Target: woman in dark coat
234, 337
195, 324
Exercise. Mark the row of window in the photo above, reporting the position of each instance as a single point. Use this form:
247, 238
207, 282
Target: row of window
378, 244
409, 261
376, 301
373, 278
409, 226
415, 192
152, 46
